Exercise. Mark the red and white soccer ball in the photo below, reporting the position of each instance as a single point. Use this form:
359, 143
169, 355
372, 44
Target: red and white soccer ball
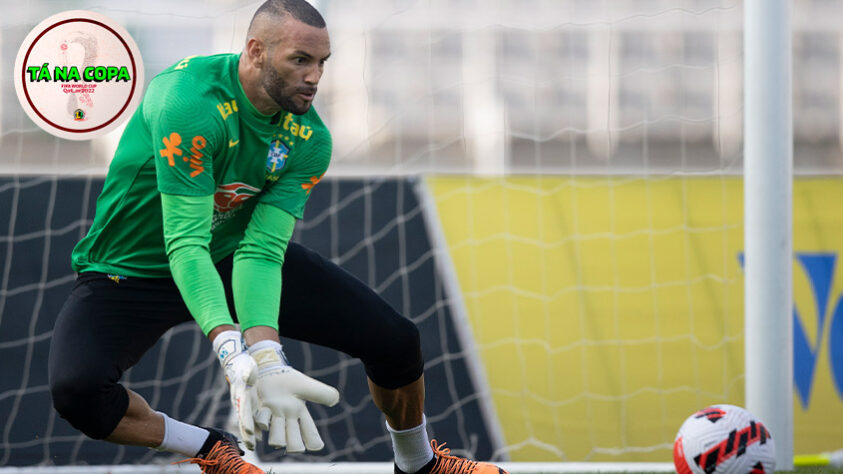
724, 439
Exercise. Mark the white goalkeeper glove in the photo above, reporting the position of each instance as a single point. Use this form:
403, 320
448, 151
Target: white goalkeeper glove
241, 374
282, 391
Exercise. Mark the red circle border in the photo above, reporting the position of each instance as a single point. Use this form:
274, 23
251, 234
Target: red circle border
122, 109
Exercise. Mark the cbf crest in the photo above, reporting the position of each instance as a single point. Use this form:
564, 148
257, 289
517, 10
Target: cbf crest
277, 156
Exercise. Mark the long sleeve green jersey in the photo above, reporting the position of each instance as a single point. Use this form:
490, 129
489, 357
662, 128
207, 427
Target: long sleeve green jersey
196, 134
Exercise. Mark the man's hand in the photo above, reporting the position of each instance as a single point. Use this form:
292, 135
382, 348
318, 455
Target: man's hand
282, 391
241, 374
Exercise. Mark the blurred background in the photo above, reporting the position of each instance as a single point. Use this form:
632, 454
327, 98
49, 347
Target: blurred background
551, 189
549, 86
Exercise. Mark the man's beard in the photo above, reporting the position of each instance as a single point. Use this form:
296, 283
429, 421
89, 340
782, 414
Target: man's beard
275, 85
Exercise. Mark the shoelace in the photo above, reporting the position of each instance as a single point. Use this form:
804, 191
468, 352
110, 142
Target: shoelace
446, 463
222, 456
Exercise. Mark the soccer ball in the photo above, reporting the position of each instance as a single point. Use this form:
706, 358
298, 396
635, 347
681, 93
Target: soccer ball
724, 439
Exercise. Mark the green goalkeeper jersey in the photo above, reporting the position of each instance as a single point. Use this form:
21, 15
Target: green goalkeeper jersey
196, 134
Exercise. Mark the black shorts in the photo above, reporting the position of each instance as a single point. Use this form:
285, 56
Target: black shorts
106, 326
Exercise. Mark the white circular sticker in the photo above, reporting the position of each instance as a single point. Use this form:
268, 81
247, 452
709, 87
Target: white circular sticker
78, 75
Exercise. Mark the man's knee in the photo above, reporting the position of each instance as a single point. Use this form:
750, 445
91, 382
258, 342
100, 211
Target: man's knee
398, 362
406, 339
89, 402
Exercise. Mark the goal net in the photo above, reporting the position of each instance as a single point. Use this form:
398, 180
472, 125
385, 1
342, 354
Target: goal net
550, 190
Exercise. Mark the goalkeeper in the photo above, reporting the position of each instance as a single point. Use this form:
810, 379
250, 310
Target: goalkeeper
194, 223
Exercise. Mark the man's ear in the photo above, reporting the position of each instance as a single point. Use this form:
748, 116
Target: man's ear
256, 50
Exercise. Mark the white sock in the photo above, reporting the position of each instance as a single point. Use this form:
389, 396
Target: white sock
411, 447
181, 437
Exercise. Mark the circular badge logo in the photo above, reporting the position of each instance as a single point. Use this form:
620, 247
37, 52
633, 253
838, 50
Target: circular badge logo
78, 75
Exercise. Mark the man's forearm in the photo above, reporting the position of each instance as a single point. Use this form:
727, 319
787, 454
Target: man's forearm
213, 333
256, 285
201, 287
260, 333
256, 275
187, 233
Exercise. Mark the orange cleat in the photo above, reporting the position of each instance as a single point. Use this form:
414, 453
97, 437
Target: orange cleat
444, 463
224, 458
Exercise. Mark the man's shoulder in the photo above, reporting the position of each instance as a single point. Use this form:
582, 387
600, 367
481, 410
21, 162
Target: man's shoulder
203, 66
195, 82
199, 74
315, 140
312, 120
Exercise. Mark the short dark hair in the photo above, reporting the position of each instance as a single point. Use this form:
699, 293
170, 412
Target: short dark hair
301, 10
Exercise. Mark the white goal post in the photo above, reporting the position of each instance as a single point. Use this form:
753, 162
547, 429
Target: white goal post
768, 219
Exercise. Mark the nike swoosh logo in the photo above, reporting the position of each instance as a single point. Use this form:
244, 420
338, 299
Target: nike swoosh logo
232, 143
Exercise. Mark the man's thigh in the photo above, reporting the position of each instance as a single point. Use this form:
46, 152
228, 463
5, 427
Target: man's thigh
110, 323
323, 304
104, 328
